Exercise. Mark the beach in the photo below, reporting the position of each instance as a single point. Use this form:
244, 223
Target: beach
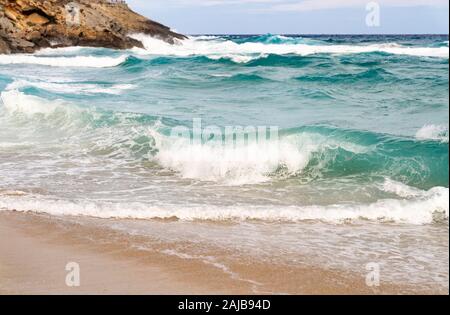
227, 164
35, 250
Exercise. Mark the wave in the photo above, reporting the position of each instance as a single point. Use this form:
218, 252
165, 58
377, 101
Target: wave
369, 76
76, 62
278, 39
234, 165
308, 152
243, 77
400, 189
425, 208
65, 87
433, 132
62, 51
17, 102
248, 51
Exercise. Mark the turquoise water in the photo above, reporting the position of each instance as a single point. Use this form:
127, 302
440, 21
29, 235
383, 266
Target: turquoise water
359, 144
362, 125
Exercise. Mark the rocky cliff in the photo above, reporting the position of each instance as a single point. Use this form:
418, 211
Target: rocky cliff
28, 25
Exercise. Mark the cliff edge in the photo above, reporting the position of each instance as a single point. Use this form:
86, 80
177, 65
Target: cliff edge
29, 25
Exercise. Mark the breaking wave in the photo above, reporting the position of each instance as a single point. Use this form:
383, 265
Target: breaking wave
433, 132
424, 208
82, 127
72, 87
57, 61
304, 152
247, 51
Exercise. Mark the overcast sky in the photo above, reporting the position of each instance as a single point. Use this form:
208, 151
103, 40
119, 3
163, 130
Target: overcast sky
296, 16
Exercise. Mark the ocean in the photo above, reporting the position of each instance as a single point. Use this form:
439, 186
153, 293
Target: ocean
338, 155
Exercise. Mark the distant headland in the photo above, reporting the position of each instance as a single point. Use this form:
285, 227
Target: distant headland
29, 25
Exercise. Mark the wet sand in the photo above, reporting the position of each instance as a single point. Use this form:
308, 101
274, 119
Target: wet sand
35, 249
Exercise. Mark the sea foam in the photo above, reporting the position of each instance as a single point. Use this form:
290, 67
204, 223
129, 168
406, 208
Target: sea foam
71, 87
249, 163
307, 152
433, 132
18, 102
245, 52
78, 61
426, 208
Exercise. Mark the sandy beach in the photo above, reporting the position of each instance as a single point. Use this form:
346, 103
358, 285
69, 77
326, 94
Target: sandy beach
33, 258
246, 148
35, 249
33, 262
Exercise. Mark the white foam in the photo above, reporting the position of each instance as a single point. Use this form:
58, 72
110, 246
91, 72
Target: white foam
419, 210
250, 163
77, 62
244, 52
433, 132
18, 102
400, 189
71, 87
12, 193
9, 145
234, 163
61, 50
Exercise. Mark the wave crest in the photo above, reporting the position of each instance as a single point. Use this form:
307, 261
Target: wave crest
244, 52
433, 132
307, 152
56, 61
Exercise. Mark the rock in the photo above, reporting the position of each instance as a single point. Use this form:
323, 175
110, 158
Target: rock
22, 44
4, 47
28, 25
11, 14
33, 36
35, 18
24, 6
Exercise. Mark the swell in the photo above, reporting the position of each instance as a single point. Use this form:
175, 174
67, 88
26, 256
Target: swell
319, 59
322, 70
373, 75
306, 152
318, 70
421, 163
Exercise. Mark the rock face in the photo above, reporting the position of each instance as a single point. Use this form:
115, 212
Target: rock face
28, 25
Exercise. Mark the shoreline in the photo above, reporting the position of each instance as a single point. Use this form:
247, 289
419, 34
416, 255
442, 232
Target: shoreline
34, 251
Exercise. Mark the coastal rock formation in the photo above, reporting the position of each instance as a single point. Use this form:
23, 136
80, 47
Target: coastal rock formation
28, 25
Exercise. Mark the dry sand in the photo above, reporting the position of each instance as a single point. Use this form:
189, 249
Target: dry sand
34, 262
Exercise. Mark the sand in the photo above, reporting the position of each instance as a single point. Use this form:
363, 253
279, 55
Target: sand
35, 249
34, 262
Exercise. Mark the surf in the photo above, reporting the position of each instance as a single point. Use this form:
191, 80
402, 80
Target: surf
363, 133
426, 207
307, 152
61, 61
247, 51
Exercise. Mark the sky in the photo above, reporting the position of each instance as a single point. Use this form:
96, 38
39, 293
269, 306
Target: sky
298, 16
